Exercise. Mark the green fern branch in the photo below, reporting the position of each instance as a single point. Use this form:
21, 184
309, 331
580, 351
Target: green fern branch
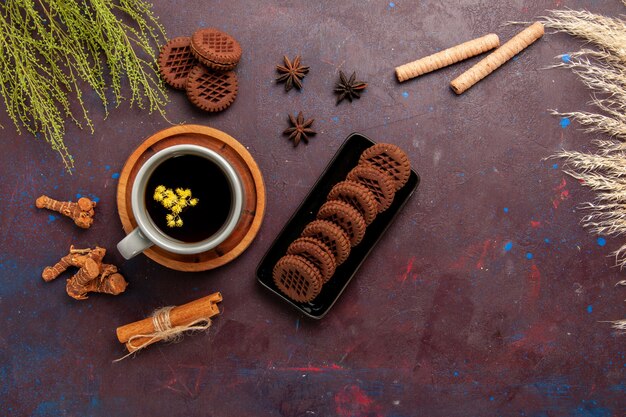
49, 48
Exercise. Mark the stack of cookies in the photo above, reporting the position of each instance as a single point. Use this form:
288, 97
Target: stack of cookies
203, 66
341, 222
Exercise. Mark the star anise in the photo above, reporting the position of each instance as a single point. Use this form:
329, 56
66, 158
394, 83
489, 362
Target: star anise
291, 73
300, 129
349, 88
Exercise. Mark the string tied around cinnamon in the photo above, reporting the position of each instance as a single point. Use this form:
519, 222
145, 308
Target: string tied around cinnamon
163, 330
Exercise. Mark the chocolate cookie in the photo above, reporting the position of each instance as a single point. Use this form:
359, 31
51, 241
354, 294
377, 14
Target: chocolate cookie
175, 62
390, 159
211, 91
345, 216
297, 278
332, 236
358, 196
381, 184
215, 49
315, 252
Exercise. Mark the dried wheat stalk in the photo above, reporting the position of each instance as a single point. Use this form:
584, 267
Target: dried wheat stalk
603, 70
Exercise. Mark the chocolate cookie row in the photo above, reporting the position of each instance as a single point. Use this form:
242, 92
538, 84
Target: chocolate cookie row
341, 223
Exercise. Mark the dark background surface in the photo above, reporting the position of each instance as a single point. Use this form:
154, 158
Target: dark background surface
485, 297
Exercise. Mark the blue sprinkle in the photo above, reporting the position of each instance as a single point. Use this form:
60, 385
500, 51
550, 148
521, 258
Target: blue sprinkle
405, 94
506, 209
56, 187
51, 218
546, 240
335, 119
392, 4
601, 241
590, 309
566, 58
95, 199
565, 121
516, 57
107, 167
115, 176
517, 336
491, 398
529, 255
508, 246
555, 166
78, 195
456, 373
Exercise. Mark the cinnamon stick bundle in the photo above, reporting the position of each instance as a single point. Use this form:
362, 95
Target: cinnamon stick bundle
144, 332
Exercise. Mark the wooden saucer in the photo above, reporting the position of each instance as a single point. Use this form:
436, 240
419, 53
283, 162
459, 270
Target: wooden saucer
241, 160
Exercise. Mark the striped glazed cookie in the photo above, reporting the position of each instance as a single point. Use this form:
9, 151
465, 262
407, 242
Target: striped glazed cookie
297, 278
332, 236
390, 159
211, 91
216, 49
175, 62
315, 252
356, 195
381, 184
345, 216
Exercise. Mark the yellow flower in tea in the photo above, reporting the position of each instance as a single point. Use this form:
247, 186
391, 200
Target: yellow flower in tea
183, 193
176, 201
169, 218
167, 202
158, 193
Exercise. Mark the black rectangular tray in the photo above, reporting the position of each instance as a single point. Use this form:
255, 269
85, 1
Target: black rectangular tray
345, 159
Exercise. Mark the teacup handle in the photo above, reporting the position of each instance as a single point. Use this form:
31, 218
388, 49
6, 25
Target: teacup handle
133, 244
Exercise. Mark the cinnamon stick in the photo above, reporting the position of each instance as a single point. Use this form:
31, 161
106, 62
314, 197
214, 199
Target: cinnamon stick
183, 315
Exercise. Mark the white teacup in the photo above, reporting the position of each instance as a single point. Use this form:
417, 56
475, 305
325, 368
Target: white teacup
148, 234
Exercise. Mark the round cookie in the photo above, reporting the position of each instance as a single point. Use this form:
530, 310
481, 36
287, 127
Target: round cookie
315, 252
345, 216
297, 278
175, 62
358, 196
332, 236
216, 49
211, 91
390, 159
381, 185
